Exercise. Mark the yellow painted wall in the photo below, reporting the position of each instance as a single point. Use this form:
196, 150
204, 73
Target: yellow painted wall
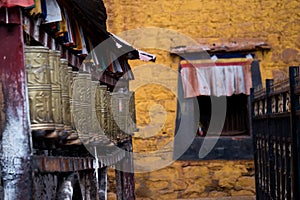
274, 21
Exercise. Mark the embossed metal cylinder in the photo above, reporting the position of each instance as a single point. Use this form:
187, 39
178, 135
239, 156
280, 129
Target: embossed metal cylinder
102, 107
54, 63
73, 75
95, 127
65, 87
110, 124
39, 88
117, 117
87, 105
132, 113
82, 105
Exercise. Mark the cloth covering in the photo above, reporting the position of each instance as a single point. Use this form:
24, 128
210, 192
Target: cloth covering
11, 3
37, 8
225, 77
53, 11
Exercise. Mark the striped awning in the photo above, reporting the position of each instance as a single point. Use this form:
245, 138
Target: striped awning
223, 77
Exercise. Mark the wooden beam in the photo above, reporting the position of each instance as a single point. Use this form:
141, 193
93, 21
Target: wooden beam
16, 147
61, 164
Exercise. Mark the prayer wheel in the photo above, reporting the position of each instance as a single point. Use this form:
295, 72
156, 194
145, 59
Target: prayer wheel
110, 124
65, 87
39, 88
95, 128
123, 118
101, 105
54, 63
81, 99
72, 78
132, 127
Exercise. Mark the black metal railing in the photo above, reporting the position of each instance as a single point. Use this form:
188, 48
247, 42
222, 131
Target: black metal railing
276, 138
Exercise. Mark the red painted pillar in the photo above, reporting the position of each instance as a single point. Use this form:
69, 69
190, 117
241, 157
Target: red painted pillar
15, 135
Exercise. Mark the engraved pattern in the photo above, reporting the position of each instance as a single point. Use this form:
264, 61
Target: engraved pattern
82, 105
37, 65
54, 63
74, 75
39, 88
65, 87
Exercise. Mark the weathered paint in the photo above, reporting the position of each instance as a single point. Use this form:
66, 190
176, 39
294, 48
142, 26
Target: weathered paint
103, 184
124, 178
66, 189
16, 137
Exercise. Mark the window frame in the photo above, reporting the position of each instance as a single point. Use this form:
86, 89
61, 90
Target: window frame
226, 148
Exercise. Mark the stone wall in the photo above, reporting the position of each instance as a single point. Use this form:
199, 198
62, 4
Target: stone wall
209, 21
274, 21
186, 180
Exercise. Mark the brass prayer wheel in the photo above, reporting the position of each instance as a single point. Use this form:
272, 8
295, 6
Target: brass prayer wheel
101, 106
110, 129
116, 112
65, 87
132, 119
95, 127
54, 63
81, 99
72, 78
39, 88
122, 115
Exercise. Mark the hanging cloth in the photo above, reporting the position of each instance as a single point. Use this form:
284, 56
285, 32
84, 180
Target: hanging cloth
63, 27
53, 11
93, 53
70, 37
44, 8
12, 3
115, 62
77, 37
224, 77
84, 48
37, 8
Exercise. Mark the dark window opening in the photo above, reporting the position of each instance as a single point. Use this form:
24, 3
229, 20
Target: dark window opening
236, 121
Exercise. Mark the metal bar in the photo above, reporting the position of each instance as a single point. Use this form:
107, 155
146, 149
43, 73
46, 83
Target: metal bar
270, 171
16, 143
254, 128
295, 135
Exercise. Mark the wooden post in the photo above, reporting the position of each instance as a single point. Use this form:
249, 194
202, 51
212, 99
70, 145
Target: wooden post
125, 178
103, 183
16, 147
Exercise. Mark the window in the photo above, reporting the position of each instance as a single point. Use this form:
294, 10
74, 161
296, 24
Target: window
237, 115
235, 141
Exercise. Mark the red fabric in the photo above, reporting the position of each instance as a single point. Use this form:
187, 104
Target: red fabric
216, 79
213, 64
11, 3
